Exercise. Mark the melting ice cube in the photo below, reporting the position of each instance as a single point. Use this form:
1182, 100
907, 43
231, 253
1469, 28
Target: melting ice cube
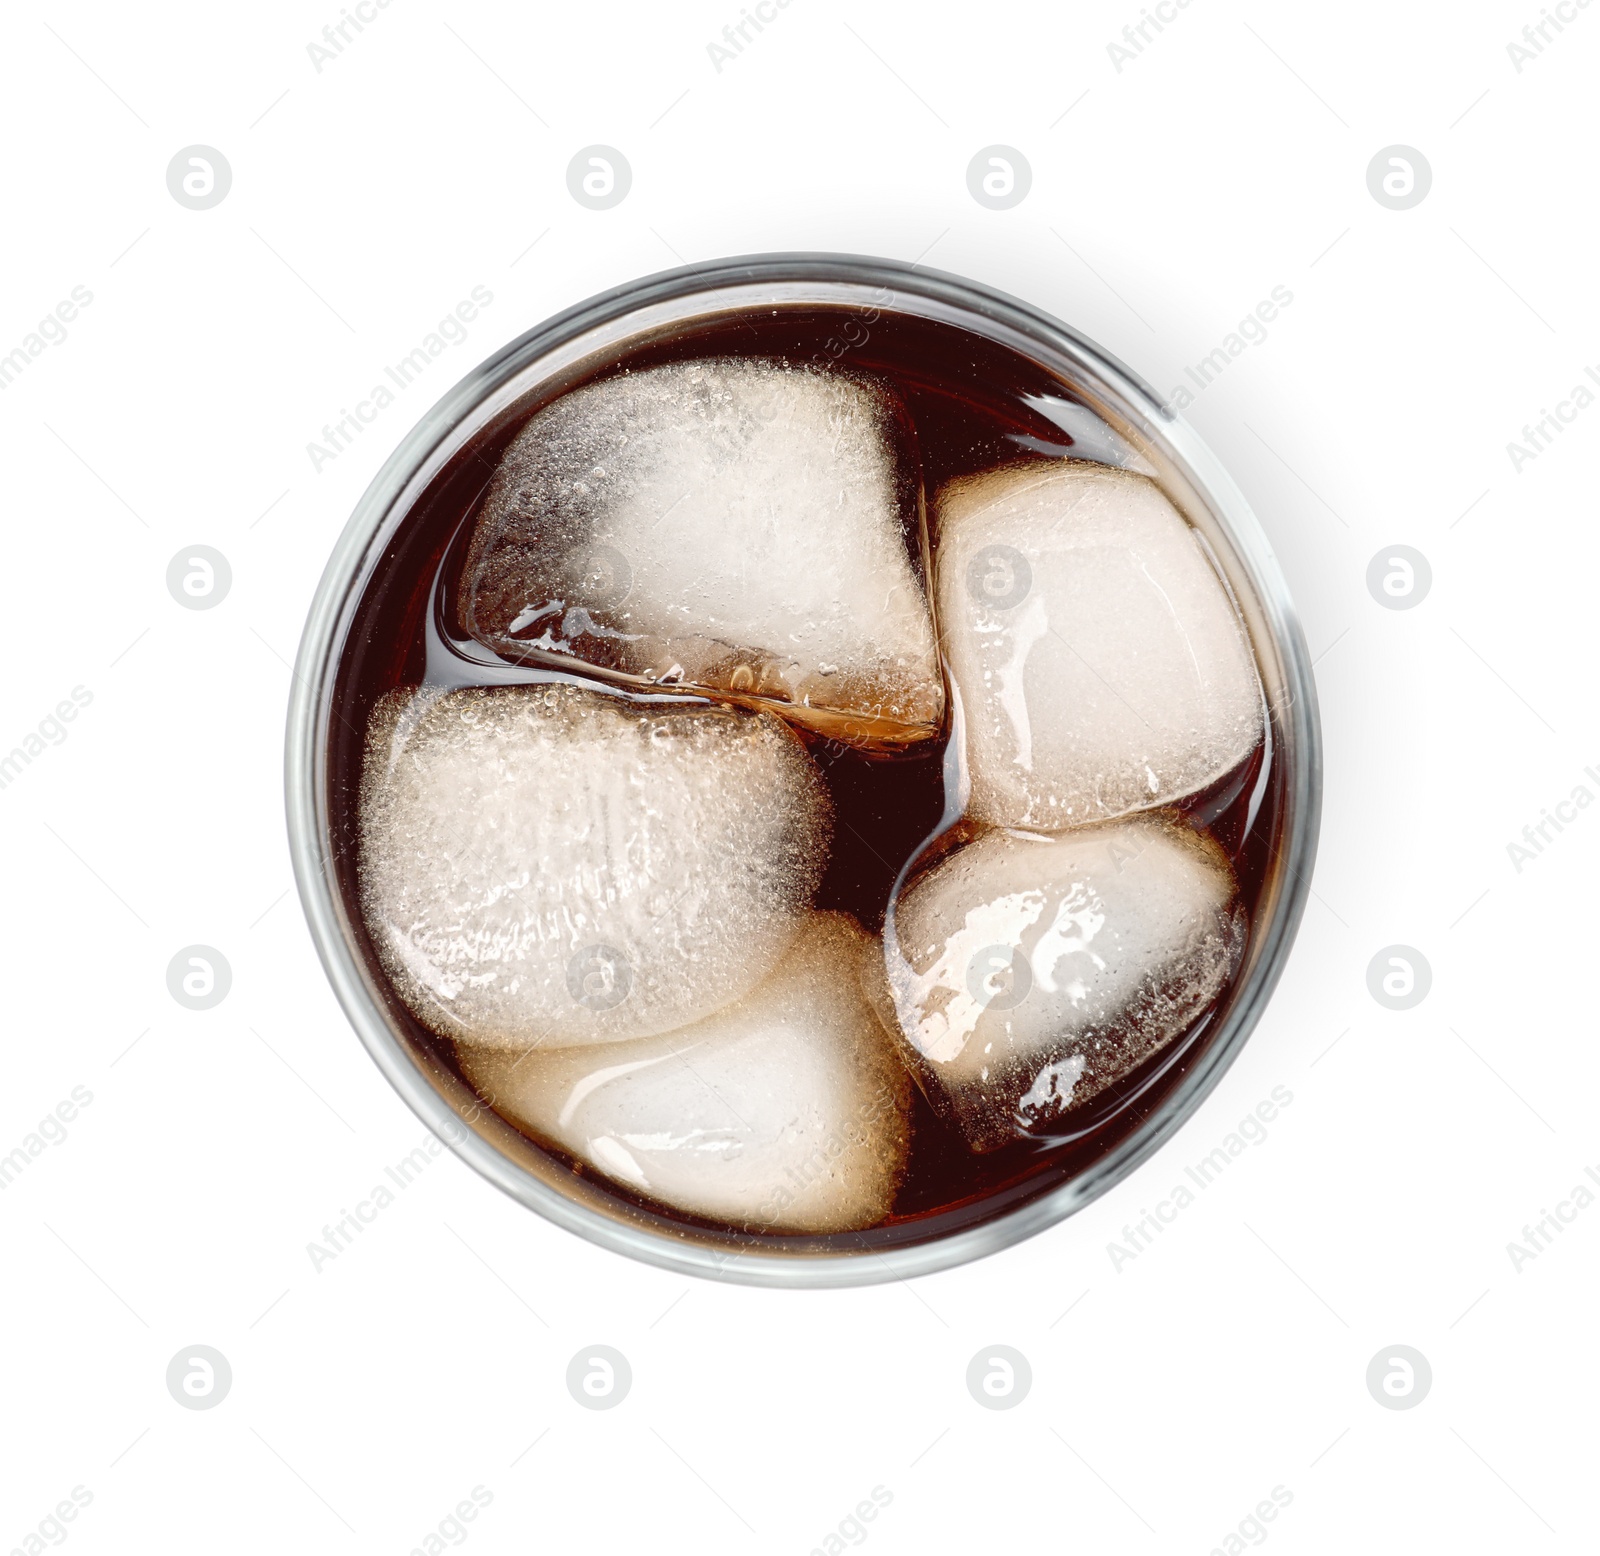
733, 525
554, 865
785, 1111
1101, 664
1028, 973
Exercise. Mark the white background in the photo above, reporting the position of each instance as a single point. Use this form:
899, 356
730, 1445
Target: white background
1168, 199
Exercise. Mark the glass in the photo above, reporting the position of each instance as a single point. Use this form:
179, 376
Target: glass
441, 461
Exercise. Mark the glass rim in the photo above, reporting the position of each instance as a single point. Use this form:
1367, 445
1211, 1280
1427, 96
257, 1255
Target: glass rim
598, 325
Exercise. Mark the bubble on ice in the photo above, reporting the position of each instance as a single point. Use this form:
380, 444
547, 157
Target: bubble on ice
1028, 973
739, 526
548, 863
785, 1111
1101, 665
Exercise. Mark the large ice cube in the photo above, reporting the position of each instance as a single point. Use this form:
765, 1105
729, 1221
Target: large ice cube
1031, 972
733, 525
1101, 665
783, 1112
548, 864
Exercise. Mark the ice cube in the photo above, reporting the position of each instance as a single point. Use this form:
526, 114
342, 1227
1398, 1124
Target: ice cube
557, 865
1030, 972
783, 1112
1101, 665
739, 526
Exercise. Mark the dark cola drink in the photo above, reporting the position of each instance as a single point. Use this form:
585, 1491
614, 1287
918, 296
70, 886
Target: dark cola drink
807, 778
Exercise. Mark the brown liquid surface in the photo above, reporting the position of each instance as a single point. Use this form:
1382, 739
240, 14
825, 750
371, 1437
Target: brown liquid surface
968, 408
